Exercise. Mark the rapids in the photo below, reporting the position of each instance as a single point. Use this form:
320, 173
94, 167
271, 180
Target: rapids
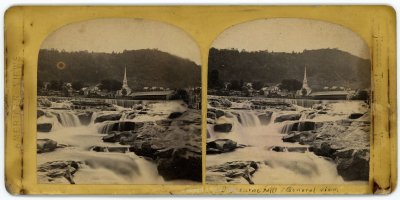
277, 167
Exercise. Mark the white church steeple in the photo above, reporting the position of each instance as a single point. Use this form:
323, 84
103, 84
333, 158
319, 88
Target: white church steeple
125, 81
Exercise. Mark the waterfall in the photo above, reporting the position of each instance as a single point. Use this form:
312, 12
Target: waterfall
298, 126
106, 127
287, 128
68, 119
249, 119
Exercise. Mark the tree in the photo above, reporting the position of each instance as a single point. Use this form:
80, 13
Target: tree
124, 92
77, 85
234, 85
213, 81
110, 85
257, 85
361, 95
304, 92
56, 85
290, 85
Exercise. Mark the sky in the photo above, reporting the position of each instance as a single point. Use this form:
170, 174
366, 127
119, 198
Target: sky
108, 35
287, 35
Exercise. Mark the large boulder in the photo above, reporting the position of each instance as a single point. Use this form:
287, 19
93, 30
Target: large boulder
224, 127
174, 115
288, 117
356, 167
40, 113
324, 149
64, 170
265, 118
235, 170
44, 127
219, 113
45, 145
211, 115
116, 136
180, 163
221, 146
120, 126
355, 115
292, 137
109, 117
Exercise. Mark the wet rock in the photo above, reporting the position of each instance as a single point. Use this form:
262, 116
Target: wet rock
210, 121
265, 119
236, 170
288, 117
120, 126
45, 145
292, 137
85, 118
211, 115
109, 149
109, 117
59, 170
174, 115
44, 127
224, 127
356, 167
40, 113
182, 164
221, 146
355, 115
324, 149
112, 137
219, 113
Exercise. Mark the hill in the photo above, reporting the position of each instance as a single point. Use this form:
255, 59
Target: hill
145, 67
325, 67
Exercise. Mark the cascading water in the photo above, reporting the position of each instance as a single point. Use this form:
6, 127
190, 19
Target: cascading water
98, 167
277, 167
68, 119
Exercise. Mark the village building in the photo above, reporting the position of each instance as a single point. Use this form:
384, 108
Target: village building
305, 89
125, 90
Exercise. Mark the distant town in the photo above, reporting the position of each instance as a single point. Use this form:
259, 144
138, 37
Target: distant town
114, 89
288, 88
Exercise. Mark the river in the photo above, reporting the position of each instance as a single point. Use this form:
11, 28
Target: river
283, 167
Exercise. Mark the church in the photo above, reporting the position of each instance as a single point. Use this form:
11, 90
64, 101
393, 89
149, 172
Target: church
125, 90
305, 89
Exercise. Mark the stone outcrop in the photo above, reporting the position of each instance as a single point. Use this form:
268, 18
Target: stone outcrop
221, 146
224, 127
232, 171
174, 144
44, 127
288, 117
344, 141
109, 117
45, 145
59, 170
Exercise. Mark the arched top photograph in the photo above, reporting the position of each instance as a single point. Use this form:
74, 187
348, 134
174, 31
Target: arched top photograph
291, 99
119, 102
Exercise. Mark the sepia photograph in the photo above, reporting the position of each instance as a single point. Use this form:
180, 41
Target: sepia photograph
288, 102
119, 102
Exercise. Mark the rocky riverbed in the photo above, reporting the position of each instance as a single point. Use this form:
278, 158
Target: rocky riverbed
80, 142
262, 141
